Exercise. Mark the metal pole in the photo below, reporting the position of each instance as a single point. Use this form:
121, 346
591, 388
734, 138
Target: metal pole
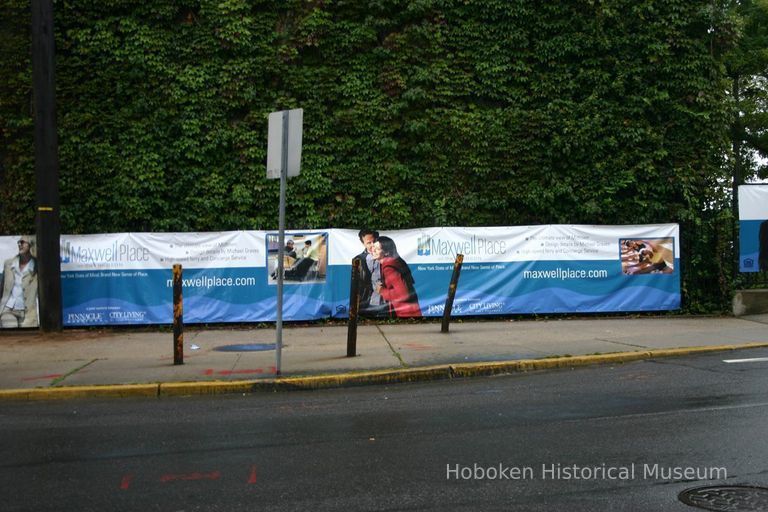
354, 303
738, 178
281, 246
451, 292
48, 223
178, 317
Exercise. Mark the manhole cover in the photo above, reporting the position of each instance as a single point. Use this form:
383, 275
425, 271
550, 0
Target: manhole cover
247, 347
726, 498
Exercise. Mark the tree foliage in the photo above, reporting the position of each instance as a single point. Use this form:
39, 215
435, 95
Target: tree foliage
747, 69
416, 113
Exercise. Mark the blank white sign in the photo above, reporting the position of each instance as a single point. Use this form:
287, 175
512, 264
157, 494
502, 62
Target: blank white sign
295, 120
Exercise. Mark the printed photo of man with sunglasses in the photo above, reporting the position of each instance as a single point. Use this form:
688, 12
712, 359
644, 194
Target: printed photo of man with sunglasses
18, 305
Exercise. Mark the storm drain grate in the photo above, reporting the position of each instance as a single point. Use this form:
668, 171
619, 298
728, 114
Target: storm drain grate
247, 347
735, 498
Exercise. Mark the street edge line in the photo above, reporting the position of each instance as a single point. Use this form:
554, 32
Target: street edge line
390, 376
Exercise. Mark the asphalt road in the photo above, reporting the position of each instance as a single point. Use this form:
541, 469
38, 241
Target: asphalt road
630, 437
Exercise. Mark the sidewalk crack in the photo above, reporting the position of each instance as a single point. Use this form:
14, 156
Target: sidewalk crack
59, 380
237, 361
620, 343
395, 352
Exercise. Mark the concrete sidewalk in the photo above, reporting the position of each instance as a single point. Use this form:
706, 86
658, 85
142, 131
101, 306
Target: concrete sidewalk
120, 362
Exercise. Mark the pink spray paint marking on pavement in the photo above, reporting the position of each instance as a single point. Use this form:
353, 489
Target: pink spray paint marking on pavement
188, 477
43, 377
125, 483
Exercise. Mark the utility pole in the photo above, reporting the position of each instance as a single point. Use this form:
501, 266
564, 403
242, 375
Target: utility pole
48, 221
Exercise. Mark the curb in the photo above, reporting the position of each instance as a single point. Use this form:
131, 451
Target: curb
377, 377
107, 391
308, 383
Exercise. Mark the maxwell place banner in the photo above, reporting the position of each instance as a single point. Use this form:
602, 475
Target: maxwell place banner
753, 228
126, 278
530, 269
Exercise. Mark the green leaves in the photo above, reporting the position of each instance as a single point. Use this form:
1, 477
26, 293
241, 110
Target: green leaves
495, 112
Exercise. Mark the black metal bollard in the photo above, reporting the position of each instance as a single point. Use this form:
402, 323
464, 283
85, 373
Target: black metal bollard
178, 317
451, 292
354, 303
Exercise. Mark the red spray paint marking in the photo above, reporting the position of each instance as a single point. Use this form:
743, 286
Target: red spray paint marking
252, 476
126, 482
209, 372
215, 475
240, 372
417, 346
44, 377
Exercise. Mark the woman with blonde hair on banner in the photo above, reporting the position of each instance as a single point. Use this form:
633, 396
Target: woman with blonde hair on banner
396, 285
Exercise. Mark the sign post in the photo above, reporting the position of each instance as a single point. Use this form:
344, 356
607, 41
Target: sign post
283, 161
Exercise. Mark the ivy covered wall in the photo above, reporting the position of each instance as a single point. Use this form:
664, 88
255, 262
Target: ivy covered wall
416, 112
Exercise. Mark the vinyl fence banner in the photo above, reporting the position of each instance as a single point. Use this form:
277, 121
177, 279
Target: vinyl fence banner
126, 278
534, 269
753, 228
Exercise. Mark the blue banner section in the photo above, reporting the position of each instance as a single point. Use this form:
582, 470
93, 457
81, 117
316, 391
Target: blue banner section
544, 287
536, 287
753, 227
753, 243
120, 297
